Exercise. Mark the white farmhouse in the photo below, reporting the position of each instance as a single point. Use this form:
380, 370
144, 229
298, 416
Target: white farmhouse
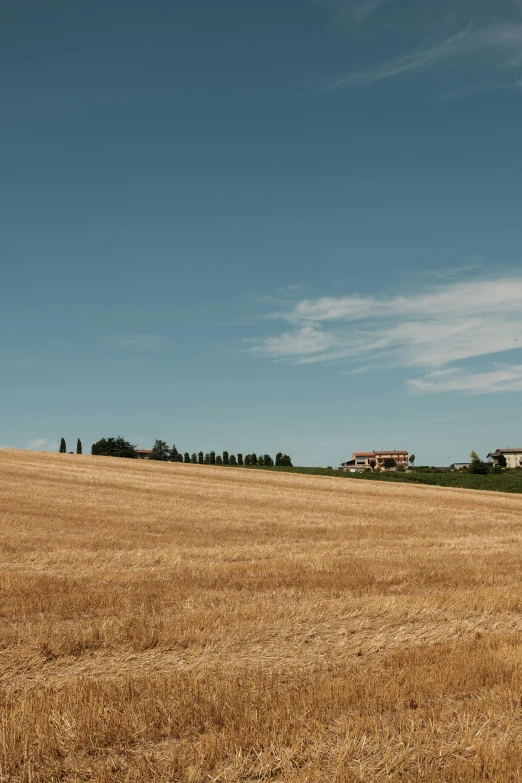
513, 457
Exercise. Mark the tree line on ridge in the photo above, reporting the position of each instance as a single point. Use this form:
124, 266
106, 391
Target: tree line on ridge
161, 452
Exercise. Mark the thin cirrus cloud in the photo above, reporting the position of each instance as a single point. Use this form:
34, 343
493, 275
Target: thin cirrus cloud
459, 380
45, 443
501, 40
431, 335
138, 342
354, 12
367, 7
36, 444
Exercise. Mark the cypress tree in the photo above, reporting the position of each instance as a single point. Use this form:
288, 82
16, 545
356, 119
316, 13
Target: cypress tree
194, 459
232, 460
219, 459
247, 459
186, 457
63, 447
240, 460
78, 446
253, 459
212, 457
267, 460
225, 458
260, 460
173, 454
200, 458
206, 461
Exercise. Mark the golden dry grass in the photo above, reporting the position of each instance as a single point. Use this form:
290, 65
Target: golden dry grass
186, 623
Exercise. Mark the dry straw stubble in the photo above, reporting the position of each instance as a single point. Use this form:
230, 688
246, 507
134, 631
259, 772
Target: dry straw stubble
169, 622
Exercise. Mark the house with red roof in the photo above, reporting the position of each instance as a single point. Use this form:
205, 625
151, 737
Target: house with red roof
367, 460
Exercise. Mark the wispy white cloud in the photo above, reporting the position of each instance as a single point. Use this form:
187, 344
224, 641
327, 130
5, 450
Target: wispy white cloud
353, 12
39, 443
365, 8
470, 297
501, 39
139, 342
452, 273
36, 444
460, 380
487, 86
303, 341
428, 332
410, 62
291, 287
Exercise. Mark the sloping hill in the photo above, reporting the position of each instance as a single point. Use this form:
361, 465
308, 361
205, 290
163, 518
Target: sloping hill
170, 622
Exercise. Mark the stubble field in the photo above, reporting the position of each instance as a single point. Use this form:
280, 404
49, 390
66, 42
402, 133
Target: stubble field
168, 622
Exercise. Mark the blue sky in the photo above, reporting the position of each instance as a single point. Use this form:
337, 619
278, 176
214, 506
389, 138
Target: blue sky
262, 226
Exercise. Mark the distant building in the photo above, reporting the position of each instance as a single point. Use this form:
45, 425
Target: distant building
143, 453
460, 465
363, 460
513, 457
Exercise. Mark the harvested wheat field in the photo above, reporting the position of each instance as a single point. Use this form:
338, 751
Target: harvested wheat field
169, 622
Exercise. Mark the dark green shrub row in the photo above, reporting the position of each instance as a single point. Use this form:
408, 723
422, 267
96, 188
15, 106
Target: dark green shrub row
506, 481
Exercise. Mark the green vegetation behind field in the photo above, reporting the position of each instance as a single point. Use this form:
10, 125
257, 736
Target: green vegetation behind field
509, 481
